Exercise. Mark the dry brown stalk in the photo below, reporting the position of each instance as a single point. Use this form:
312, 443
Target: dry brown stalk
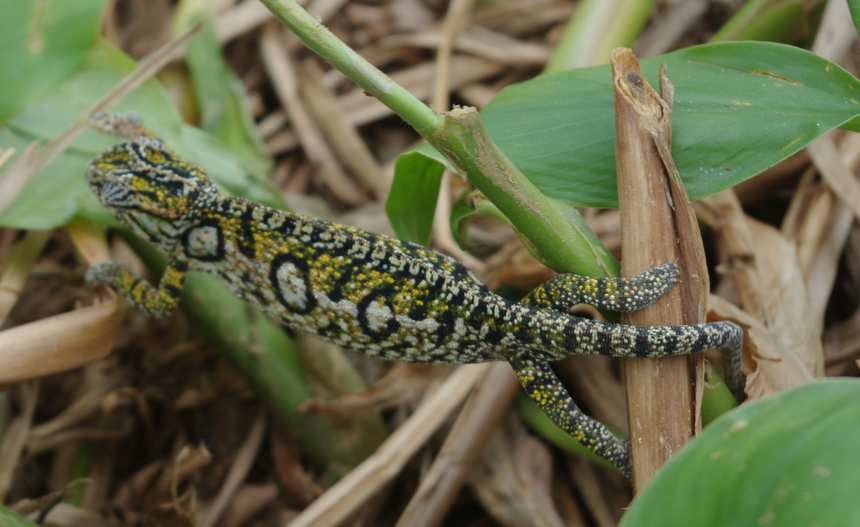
356, 488
657, 225
480, 416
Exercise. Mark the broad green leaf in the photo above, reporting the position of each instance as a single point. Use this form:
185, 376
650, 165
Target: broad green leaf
740, 107
60, 192
412, 198
787, 460
50, 46
468, 207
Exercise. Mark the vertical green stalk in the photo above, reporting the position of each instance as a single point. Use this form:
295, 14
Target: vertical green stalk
766, 20
595, 29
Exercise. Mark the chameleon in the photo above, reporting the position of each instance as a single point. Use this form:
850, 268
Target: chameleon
371, 293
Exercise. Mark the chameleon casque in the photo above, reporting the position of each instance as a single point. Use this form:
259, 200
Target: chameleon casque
370, 293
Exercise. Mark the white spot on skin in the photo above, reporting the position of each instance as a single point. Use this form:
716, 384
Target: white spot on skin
203, 241
378, 315
459, 327
425, 325
292, 285
341, 307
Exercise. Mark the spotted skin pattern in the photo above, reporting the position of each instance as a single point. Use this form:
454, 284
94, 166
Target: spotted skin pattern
387, 298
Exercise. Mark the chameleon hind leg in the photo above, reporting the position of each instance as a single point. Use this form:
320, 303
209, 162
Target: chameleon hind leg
156, 302
631, 294
610, 293
542, 385
545, 388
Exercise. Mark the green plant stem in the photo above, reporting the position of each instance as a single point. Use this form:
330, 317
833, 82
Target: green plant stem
766, 20
559, 238
595, 29
323, 42
717, 398
538, 421
854, 8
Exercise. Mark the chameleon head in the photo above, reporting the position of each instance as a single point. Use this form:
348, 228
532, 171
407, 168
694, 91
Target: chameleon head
147, 186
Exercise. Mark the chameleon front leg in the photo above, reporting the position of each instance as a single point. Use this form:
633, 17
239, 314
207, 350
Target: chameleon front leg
610, 293
158, 301
545, 388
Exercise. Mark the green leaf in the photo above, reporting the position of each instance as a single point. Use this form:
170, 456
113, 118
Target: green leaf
42, 43
12, 519
854, 7
220, 94
468, 207
787, 460
740, 107
412, 198
59, 192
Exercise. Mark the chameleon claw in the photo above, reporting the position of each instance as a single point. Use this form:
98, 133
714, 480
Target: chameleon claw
104, 273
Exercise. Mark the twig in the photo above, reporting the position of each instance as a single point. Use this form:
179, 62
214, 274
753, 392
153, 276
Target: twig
16, 268
657, 225
238, 472
456, 20
595, 28
348, 494
280, 68
343, 137
479, 417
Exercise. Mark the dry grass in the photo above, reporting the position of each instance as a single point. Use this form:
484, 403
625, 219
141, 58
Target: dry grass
162, 431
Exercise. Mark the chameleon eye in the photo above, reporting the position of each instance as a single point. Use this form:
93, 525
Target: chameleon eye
154, 156
150, 154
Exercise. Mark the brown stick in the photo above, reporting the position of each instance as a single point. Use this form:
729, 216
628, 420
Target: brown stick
658, 225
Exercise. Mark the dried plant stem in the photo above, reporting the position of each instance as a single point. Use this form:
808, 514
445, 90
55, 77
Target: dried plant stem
351, 492
480, 416
657, 225
17, 266
333, 50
